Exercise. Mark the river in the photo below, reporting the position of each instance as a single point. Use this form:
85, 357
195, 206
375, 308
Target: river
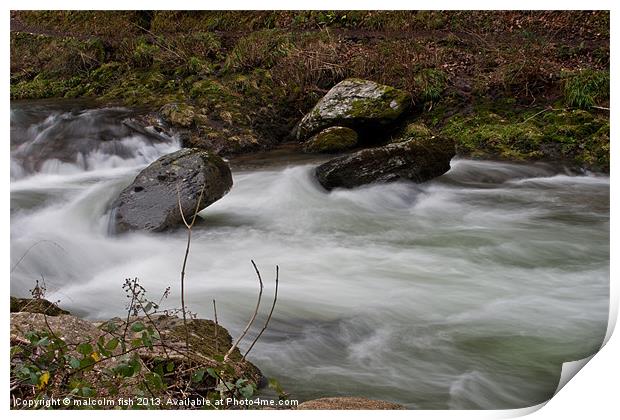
468, 291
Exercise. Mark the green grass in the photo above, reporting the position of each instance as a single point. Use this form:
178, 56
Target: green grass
432, 83
586, 88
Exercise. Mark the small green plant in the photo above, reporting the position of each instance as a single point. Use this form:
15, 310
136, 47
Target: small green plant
431, 84
586, 88
143, 53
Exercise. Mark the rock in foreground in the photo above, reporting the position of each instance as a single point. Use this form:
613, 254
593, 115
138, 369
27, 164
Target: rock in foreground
73, 331
332, 139
151, 202
418, 160
355, 103
348, 403
36, 306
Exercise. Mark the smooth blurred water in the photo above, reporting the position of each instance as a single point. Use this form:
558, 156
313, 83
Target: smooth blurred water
468, 291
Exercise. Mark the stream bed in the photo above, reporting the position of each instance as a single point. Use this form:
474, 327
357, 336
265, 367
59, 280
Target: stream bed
468, 291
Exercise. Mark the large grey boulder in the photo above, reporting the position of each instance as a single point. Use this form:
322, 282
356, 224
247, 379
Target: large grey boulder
417, 159
355, 103
151, 202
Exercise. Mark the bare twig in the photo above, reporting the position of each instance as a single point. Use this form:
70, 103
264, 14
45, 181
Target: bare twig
156, 39
189, 239
161, 337
133, 298
275, 299
537, 114
216, 325
247, 327
30, 248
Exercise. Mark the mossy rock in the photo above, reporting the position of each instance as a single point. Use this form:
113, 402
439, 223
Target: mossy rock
413, 131
417, 160
202, 342
332, 139
573, 136
489, 135
36, 306
355, 103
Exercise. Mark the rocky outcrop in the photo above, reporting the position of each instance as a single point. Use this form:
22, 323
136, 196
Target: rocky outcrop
151, 202
417, 160
355, 103
203, 348
36, 306
348, 403
332, 139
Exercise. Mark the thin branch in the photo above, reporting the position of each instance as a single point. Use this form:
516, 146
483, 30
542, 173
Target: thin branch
161, 337
537, 114
247, 327
181, 208
189, 240
30, 248
156, 38
133, 298
275, 299
216, 326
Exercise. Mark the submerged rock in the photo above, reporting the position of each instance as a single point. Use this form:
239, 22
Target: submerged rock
417, 160
355, 103
332, 139
348, 403
151, 202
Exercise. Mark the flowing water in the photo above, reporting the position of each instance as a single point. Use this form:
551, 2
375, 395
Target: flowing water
468, 291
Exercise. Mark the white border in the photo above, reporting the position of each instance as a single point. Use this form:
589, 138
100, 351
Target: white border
592, 393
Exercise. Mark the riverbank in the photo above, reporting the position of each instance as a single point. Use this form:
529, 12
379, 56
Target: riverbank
504, 85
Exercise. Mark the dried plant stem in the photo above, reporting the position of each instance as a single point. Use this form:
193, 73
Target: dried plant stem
273, 305
216, 326
189, 240
30, 248
133, 299
247, 327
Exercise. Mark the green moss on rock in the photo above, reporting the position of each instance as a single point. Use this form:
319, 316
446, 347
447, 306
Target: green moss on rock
415, 130
202, 340
355, 102
332, 139
575, 136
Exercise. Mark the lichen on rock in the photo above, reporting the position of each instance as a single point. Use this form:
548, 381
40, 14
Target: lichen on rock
417, 160
353, 103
